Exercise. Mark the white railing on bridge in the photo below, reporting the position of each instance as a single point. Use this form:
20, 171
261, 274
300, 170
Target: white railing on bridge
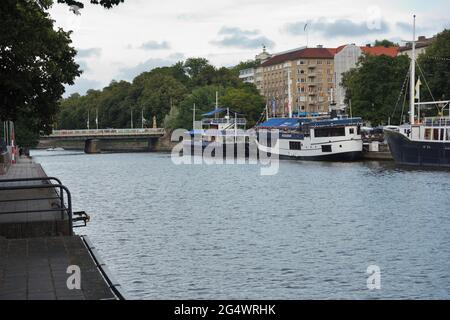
108, 132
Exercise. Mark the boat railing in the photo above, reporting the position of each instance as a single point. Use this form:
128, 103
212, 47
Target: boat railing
241, 121
437, 122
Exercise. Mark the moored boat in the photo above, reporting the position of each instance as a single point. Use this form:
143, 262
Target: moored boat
317, 139
421, 142
220, 132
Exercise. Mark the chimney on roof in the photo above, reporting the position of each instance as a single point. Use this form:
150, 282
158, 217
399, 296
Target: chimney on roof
422, 38
319, 46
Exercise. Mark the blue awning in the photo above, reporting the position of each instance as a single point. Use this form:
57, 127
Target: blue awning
280, 123
213, 112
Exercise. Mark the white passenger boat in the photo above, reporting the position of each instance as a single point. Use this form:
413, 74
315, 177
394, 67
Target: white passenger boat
314, 138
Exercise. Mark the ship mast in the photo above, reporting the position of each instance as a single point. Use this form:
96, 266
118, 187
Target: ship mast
413, 76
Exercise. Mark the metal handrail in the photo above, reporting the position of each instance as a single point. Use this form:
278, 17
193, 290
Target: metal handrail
31, 179
50, 186
61, 194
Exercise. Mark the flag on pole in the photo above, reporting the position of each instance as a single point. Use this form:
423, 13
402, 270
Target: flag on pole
418, 84
274, 107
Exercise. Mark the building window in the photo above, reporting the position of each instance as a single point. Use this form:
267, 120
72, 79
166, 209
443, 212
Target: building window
319, 61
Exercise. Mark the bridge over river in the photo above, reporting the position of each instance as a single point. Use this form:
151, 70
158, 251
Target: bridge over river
97, 140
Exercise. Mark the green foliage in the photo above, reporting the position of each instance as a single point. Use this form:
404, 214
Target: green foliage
374, 87
385, 43
435, 64
247, 101
169, 93
104, 3
36, 60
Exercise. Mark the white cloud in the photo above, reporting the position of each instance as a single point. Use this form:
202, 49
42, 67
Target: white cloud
195, 28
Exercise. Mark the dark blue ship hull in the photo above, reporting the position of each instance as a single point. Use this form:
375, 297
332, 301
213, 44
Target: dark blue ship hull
336, 157
418, 153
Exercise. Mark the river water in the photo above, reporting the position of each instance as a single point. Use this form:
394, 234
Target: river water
225, 232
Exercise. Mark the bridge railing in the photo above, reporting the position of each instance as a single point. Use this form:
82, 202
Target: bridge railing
107, 132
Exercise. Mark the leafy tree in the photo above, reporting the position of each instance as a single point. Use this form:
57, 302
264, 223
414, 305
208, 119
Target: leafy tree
385, 43
35, 62
104, 3
435, 64
245, 101
375, 85
168, 93
204, 99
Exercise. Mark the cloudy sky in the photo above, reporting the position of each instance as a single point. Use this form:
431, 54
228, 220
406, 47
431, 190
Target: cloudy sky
139, 35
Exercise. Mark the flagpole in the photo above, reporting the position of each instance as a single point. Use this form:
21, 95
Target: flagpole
88, 120
289, 94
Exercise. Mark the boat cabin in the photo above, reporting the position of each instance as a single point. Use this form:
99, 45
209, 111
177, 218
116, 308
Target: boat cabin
432, 129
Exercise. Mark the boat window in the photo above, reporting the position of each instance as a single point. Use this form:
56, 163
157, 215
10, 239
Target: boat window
358, 130
448, 134
326, 148
295, 145
427, 134
329, 132
436, 134
352, 131
441, 137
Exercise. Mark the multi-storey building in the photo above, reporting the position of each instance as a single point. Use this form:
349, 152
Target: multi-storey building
315, 76
311, 75
247, 75
346, 58
421, 46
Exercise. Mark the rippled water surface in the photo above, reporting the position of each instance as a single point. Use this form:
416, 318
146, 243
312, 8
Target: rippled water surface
226, 232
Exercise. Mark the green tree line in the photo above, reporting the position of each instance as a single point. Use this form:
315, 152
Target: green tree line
167, 93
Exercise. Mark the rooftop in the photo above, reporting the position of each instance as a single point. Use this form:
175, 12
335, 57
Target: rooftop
304, 53
326, 53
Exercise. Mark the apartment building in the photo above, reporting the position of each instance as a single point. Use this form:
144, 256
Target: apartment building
346, 58
311, 75
421, 46
315, 76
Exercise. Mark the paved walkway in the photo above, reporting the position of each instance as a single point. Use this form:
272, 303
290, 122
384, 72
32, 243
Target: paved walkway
36, 248
31, 223
35, 269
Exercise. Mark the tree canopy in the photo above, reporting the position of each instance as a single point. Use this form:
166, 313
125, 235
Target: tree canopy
374, 87
385, 43
435, 65
104, 3
167, 93
35, 62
